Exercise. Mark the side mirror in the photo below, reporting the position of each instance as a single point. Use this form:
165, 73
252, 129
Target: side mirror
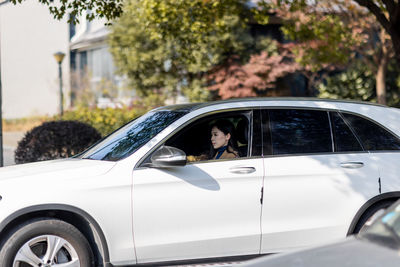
168, 156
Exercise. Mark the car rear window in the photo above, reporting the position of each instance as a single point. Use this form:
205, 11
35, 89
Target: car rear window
345, 139
373, 136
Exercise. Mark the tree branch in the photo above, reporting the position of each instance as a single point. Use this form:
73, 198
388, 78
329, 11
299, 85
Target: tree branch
374, 9
390, 5
396, 15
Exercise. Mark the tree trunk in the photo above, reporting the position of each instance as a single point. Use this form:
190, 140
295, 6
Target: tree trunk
381, 77
395, 37
395, 31
391, 23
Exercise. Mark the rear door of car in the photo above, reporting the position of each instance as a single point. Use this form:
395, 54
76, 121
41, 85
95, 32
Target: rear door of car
317, 176
383, 146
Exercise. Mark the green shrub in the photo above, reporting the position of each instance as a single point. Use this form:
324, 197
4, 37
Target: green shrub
358, 82
55, 139
104, 120
23, 124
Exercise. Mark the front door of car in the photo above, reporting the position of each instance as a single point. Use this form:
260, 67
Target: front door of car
208, 208
314, 184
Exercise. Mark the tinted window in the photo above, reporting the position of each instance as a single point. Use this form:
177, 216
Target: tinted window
345, 140
300, 131
372, 136
132, 136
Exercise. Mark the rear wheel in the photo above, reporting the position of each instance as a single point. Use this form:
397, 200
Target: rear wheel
46, 242
371, 215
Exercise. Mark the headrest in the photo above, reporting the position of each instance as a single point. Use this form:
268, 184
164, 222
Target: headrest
242, 131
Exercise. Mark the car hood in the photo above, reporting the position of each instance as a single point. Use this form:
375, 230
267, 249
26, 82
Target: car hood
352, 252
56, 168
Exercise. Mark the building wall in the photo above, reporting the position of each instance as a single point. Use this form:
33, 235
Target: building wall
29, 36
92, 66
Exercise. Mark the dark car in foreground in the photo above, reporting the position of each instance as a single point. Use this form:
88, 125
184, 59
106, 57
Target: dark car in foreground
378, 245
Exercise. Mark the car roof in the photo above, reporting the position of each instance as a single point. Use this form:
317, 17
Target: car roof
194, 106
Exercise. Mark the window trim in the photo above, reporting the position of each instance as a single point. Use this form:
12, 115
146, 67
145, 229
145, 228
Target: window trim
352, 130
265, 112
257, 112
333, 140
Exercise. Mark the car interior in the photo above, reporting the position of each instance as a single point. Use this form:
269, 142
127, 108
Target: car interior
195, 139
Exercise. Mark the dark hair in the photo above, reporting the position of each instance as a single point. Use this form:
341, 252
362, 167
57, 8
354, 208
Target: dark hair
226, 127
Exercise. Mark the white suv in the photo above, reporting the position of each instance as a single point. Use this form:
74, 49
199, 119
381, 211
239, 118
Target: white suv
308, 171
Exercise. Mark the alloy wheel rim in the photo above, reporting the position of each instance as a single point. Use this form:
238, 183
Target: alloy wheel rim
46, 251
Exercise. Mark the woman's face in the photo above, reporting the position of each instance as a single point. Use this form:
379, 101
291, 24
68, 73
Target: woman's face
218, 138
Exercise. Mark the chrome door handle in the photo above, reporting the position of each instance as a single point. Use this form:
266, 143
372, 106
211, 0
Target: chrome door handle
351, 165
242, 170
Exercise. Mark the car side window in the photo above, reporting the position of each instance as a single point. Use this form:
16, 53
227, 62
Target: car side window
344, 138
195, 139
298, 131
373, 136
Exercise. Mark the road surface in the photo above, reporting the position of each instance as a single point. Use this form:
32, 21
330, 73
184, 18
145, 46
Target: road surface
10, 143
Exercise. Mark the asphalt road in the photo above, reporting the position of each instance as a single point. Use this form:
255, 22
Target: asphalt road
10, 143
8, 155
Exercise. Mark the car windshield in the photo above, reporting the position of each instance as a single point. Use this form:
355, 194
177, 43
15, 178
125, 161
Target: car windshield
386, 229
132, 136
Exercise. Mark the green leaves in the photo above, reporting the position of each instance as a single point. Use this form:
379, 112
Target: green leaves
357, 82
193, 25
104, 120
108, 9
167, 46
326, 39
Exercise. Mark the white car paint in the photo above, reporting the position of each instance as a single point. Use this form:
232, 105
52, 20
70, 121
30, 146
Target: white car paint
92, 186
193, 212
312, 199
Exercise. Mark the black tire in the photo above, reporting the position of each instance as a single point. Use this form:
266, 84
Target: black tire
39, 233
371, 214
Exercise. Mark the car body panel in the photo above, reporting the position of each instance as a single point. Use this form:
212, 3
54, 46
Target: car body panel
200, 210
92, 186
322, 196
52, 167
389, 170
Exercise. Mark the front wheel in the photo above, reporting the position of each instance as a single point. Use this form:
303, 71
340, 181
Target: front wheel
46, 242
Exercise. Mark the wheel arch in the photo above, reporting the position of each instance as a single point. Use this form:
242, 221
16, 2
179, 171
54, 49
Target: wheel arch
70, 214
389, 196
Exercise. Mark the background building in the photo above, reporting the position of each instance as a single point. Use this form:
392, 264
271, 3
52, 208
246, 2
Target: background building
92, 67
29, 36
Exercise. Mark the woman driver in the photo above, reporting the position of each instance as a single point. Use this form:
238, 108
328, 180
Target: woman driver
223, 142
